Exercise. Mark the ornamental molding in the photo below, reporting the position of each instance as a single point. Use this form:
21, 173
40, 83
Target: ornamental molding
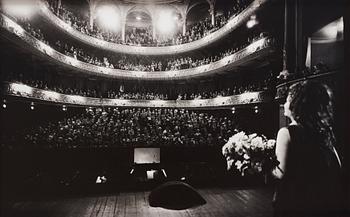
31, 93
259, 48
217, 35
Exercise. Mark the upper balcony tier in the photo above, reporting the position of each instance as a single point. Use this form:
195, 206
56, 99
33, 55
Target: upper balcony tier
214, 36
256, 53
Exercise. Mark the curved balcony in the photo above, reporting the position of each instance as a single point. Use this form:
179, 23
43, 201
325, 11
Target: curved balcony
167, 50
260, 48
325, 77
25, 91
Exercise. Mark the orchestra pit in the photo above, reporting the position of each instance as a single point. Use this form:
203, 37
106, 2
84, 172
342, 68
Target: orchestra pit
184, 108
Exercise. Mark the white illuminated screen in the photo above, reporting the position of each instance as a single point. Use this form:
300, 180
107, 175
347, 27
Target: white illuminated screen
146, 155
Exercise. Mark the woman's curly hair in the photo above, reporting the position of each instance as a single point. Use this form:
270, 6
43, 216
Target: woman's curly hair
311, 105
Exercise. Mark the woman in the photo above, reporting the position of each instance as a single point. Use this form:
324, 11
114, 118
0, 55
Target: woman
309, 166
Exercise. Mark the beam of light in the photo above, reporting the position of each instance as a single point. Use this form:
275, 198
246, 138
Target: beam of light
252, 22
108, 17
166, 24
19, 8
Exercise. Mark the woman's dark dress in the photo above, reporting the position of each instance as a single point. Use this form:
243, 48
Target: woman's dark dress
311, 182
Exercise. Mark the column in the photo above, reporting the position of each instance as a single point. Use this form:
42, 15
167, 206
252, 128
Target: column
212, 14
92, 16
154, 32
123, 14
123, 23
59, 3
184, 26
293, 38
212, 10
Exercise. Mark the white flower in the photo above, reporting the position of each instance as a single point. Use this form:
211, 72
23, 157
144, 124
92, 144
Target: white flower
237, 137
229, 164
246, 157
271, 143
257, 142
239, 164
252, 136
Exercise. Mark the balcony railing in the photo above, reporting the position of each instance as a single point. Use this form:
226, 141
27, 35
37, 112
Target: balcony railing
325, 77
261, 47
25, 91
232, 24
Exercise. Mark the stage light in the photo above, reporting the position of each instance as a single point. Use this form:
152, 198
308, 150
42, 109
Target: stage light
233, 110
252, 22
19, 8
32, 106
256, 109
64, 108
166, 23
4, 104
108, 18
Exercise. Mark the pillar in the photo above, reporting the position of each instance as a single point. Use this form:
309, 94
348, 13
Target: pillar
293, 60
154, 32
123, 23
212, 13
92, 16
59, 3
184, 26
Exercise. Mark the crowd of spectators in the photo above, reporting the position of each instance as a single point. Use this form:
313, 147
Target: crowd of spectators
124, 62
144, 36
143, 93
252, 86
148, 95
134, 127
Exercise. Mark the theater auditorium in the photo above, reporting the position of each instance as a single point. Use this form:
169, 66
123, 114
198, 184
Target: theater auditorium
187, 108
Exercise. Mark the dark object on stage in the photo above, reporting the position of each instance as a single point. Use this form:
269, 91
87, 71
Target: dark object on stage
175, 195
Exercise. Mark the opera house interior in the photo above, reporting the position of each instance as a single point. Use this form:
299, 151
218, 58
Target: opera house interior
172, 107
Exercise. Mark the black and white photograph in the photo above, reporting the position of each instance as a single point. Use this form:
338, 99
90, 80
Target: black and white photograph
174, 108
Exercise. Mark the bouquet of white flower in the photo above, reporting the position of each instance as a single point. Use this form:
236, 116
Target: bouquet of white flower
250, 154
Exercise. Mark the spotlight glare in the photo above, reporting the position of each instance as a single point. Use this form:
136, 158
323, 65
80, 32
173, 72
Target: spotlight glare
4, 105
166, 23
256, 109
108, 17
19, 8
138, 18
252, 22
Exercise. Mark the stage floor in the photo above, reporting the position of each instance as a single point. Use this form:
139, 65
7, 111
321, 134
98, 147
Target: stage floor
221, 202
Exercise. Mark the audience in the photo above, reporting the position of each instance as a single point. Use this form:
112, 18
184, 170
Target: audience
144, 37
143, 93
138, 63
113, 127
